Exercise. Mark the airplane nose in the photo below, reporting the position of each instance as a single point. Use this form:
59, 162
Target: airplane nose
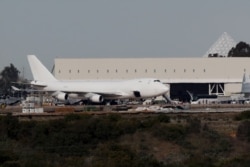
165, 89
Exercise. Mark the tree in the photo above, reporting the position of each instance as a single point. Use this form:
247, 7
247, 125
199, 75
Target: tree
242, 49
8, 75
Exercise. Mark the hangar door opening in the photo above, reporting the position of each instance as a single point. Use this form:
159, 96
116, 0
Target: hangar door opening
179, 90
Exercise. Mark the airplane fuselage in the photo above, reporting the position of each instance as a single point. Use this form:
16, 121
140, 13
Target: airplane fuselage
111, 89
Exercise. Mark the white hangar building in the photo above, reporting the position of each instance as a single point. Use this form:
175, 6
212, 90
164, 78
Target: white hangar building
204, 75
221, 76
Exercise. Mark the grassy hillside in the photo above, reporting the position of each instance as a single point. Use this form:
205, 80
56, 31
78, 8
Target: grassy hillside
114, 140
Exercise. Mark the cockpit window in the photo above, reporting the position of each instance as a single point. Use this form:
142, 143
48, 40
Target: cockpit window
157, 80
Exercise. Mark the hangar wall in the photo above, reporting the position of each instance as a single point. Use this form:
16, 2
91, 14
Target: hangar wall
162, 68
235, 87
169, 70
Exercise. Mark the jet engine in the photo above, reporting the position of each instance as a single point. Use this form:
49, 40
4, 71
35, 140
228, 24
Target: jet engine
62, 96
96, 98
66, 96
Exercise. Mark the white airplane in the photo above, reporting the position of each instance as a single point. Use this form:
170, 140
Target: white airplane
95, 91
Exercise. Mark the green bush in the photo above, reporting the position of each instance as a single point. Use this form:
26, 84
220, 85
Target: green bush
200, 161
127, 126
210, 134
99, 140
115, 155
114, 117
243, 131
194, 125
243, 115
10, 125
236, 162
72, 117
8, 158
170, 132
149, 122
163, 118
218, 148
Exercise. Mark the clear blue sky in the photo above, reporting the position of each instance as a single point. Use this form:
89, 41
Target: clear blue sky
116, 28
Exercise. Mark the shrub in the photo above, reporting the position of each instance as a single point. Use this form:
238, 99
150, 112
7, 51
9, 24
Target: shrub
211, 134
170, 132
194, 125
8, 158
72, 117
243, 115
149, 122
163, 118
127, 126
200, 161
115, 155
114, 117
10, 125
243, 131
237, 162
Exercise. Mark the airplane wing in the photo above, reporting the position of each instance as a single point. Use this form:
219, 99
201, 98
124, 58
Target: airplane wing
111, 94
106, 95
92, 96
26, 90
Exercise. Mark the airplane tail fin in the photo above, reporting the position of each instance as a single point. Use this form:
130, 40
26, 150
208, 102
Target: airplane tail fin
245, 84
39, 71
191, 96
15, 88
244, 78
